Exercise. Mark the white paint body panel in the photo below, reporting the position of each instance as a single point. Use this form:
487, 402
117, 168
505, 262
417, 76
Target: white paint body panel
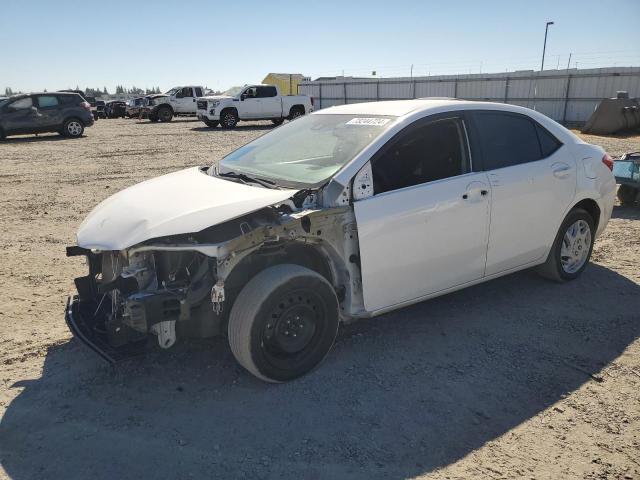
422, 239
186, 201
528, 203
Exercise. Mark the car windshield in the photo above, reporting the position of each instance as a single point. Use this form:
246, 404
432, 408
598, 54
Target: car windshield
233, 91
307, 151
173, 91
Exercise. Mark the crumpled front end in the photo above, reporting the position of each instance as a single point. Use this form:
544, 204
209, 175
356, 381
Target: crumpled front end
128, 295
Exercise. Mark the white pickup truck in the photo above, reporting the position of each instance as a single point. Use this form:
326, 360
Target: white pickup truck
252, 102
179, 101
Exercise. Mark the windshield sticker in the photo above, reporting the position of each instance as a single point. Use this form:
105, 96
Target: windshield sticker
375, 122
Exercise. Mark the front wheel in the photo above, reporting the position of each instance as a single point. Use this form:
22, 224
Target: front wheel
165, 114
229, 119
211, 123
283, 322
73, 128
627, 194
571, 249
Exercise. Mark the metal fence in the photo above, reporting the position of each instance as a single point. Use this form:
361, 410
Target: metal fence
567, 96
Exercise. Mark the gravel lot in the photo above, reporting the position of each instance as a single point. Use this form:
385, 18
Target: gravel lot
518, 377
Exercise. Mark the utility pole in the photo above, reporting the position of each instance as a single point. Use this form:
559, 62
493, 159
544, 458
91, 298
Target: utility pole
544, 46
569, 62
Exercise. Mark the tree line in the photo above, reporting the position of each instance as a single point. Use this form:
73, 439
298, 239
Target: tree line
97, 92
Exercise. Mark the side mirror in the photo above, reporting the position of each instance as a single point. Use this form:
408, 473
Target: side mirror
242, 97
179, 95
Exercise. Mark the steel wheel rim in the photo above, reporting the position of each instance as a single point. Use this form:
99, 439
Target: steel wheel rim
74, 128
293, 324
576, 245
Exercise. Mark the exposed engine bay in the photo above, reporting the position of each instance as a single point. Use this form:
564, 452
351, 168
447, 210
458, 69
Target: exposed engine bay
183, 286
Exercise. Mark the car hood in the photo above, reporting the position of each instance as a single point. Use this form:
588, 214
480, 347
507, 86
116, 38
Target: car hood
186, 201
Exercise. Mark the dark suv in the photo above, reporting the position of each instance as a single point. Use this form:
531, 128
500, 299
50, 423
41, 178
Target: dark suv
65, 113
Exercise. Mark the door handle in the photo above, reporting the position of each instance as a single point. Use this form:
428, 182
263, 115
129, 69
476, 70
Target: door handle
561, 171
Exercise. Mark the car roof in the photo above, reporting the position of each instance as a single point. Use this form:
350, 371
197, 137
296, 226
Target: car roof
401, 108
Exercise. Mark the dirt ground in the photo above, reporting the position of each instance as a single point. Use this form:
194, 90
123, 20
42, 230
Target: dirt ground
515, 378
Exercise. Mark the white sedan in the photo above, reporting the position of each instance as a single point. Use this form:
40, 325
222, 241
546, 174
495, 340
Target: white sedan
349, 212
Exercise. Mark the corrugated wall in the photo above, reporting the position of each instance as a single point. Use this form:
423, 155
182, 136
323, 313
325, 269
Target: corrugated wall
567, 96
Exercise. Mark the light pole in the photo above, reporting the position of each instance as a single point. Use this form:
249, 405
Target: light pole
544, 47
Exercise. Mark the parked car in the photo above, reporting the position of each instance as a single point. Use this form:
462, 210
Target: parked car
65, 113
90, 100
179, 101
347, 213
151, 105
116, 109
134, 106
100, 109
252, 102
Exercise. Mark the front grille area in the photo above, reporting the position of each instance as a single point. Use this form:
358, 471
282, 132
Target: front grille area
202, 104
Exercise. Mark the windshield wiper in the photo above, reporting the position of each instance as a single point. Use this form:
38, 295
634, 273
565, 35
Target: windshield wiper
247, 179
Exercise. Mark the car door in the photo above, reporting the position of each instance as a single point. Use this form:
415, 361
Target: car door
250, 105
425, 229
270, 103
20, 116
533, 181
49, 112
185, 100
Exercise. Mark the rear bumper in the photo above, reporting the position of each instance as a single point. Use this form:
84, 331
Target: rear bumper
80, 320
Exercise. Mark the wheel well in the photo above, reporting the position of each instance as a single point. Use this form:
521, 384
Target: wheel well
226, 109
591, 208
72, 118
165, 105
297, 107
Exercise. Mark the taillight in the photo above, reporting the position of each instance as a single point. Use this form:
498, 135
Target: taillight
608, 161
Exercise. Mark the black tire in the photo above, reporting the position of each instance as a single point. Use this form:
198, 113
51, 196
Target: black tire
2, 135
153, 118
228, 119
211, 123
553, 268
277, 121
165, 114
261, 335
296, 112
627, 194
73, 128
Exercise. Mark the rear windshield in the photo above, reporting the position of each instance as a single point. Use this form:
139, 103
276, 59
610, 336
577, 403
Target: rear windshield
307, 151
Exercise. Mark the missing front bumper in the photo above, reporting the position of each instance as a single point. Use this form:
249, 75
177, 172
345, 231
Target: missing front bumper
79, 315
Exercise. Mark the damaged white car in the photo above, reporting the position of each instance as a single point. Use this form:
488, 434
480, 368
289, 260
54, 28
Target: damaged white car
346, 213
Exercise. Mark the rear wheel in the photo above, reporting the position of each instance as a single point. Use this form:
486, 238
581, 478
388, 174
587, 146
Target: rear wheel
283, 322
571, 249
165, 114
211, 123
73, 128
296, 112
627, 194
277, 121
229, 119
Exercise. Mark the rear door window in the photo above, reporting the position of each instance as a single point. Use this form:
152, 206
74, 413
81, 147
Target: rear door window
48, 101
548, 143
506, 139
198, 92
266, 92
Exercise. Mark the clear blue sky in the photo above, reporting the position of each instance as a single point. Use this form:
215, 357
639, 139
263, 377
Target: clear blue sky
59, 44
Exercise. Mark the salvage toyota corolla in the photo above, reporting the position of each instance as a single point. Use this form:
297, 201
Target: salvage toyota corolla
347, 213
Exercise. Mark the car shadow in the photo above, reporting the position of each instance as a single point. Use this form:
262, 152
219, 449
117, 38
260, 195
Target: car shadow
626, 212
37, 138
241, 128
399, 396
